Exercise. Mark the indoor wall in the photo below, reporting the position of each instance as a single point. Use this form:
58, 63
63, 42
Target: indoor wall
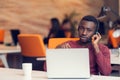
33, 16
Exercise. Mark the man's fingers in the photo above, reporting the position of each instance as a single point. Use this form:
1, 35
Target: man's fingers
99, 35
66, 45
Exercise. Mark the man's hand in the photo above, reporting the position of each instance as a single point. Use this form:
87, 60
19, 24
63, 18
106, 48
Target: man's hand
95, 39
66, 45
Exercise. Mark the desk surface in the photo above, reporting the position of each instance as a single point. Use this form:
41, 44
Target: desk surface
6, 50
9, 49
17, 74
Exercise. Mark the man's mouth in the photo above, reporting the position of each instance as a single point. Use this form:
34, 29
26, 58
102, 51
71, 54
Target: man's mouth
82, 37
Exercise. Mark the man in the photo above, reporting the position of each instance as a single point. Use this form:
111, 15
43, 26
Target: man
89, 38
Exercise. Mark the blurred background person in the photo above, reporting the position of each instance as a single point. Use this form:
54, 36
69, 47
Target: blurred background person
55, 24
66, 29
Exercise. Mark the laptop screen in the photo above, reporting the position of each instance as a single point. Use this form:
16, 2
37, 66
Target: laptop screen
68, 63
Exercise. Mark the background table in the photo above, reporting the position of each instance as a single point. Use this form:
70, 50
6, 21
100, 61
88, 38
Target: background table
6, 50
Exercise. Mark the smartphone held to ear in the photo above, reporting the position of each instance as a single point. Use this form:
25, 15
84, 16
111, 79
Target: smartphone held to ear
97, 33
95, 36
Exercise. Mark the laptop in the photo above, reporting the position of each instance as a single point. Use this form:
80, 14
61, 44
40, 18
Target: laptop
68, 63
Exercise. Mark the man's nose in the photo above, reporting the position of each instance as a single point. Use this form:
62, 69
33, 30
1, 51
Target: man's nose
84, 32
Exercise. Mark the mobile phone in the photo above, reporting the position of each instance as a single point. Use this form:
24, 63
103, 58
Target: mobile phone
94, 37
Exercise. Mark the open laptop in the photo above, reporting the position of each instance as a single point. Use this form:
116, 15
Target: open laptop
68, 63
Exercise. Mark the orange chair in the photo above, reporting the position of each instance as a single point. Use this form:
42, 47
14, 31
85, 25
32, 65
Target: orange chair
32, 47
54, 42
113, 41
2, 32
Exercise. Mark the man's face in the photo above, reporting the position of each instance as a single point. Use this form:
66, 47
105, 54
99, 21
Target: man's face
86, 30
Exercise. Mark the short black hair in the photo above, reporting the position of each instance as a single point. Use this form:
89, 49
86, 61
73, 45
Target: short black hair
92, 19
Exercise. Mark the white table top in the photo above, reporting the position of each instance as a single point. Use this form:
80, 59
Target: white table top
9, 49
17, 74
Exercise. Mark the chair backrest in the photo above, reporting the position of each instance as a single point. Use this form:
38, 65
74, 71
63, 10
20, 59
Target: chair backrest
14, 34
32, 45
2, 33
54, 42
113, 40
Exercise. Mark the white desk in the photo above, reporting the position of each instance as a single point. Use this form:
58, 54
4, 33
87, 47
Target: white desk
5, 50
104, 78
17, 74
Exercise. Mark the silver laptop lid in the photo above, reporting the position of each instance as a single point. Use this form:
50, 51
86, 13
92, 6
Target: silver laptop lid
68, 63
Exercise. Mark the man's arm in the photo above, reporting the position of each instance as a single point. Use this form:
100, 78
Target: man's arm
103, 61
102, 56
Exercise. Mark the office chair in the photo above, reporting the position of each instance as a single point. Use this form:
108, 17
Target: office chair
2, 33
54, 42
32, 47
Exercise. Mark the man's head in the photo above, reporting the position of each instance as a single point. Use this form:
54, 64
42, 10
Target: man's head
88, 26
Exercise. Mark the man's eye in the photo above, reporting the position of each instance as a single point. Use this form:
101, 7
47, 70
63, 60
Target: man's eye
80, 27
89, 30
